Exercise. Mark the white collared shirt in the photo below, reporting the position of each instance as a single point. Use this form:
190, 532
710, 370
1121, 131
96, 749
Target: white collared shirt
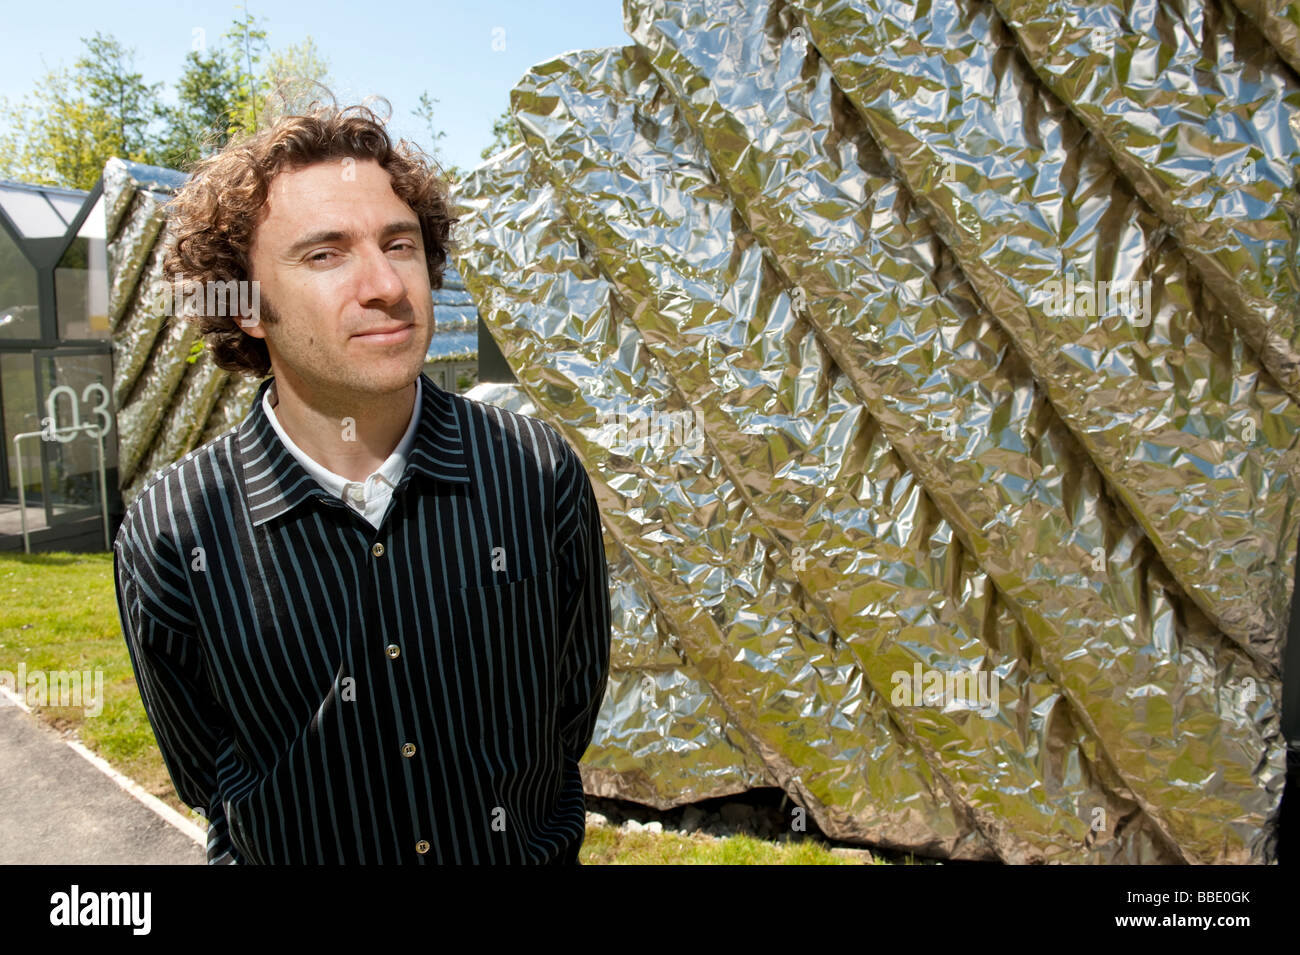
370, 497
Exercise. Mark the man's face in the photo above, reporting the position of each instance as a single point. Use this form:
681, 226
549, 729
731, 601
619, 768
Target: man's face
340, 259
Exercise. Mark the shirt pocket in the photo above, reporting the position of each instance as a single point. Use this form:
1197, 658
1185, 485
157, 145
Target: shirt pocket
504, 644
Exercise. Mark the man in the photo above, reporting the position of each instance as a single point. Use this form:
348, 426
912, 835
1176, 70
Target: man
370, 624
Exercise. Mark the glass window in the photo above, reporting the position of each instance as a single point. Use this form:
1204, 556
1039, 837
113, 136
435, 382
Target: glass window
18, 398
67, 206
32, 213
19, 315
78, 395
81, 282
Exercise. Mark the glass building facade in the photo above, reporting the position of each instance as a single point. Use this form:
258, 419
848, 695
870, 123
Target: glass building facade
56, 369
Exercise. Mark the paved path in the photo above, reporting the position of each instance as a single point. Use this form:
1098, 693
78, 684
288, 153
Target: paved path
57, 808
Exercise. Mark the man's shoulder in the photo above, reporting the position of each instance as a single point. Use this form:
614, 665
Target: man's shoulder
518, 432
207, 469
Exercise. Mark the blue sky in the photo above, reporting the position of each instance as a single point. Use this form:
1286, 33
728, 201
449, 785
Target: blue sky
466, 54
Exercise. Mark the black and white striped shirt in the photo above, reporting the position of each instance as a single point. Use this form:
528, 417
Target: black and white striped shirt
328, 691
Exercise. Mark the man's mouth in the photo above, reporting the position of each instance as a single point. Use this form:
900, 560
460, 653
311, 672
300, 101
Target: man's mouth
386, 335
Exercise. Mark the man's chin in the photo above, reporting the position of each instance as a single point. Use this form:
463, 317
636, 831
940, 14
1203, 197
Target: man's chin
385, 378
361, 377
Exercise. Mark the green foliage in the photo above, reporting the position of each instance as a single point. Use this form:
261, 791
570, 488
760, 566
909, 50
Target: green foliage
200, 122
59, 135
73, 121
112, 87
425, 112
248, 45
63, 132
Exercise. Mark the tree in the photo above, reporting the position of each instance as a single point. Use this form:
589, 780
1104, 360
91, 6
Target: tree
425, 112
213, 92
106, 75
37, 147
248, 44
200, 122
72, 122
505, 133
295, 78
63, 132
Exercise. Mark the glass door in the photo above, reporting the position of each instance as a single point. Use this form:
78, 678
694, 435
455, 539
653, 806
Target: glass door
20, 410
75, 392
66, 393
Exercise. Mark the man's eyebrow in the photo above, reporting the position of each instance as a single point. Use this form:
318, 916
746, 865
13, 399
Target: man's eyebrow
336, 235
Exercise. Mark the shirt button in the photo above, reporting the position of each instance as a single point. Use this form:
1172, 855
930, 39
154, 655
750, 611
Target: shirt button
378, 549
394, 651
408, 750
422, 847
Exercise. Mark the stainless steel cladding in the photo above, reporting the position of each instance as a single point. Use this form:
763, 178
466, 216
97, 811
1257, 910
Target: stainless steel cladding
936, 366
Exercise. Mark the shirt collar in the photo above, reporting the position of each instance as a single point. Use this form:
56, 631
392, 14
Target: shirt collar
275, 481
390, 472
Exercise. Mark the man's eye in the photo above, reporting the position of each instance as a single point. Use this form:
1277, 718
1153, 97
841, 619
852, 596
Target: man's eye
318, 256
404, 247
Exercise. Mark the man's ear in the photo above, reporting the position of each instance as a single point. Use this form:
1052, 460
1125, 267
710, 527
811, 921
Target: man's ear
252, 324
250, 308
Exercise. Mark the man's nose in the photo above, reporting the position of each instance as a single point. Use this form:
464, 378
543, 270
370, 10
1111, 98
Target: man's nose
379, 281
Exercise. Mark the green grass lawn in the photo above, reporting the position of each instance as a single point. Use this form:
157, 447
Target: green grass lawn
59, 612
606, 845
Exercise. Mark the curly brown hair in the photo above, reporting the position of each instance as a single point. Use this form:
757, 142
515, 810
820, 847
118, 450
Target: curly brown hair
213, 216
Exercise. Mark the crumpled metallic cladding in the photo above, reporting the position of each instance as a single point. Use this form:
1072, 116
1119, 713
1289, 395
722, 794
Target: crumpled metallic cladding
807, 482
706, 560
1190, 432
795, 140
1280, 22
1218, 161
163, 400
901, 464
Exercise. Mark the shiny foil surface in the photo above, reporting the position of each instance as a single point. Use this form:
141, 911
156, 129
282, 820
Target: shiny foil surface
162, 400
1173, 406
781, 273
1279, 20
1218, 161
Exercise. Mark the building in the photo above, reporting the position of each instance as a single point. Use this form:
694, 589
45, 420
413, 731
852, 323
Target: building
56, 368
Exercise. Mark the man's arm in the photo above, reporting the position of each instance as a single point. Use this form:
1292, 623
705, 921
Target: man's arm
168, 663
585, 611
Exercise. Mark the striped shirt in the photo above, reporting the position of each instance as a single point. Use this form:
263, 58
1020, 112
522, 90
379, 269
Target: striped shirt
328, 691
